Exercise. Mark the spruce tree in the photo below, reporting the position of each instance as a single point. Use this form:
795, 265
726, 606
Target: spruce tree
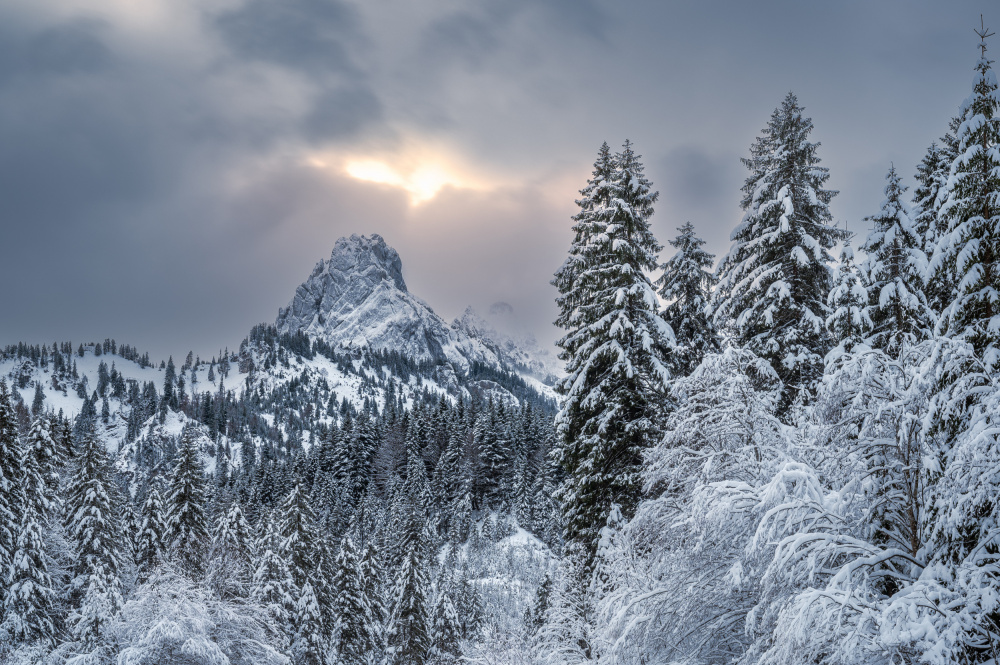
931, 178
894, 267
307, 643
230, 561
10, 481
774, 282
848, 322
686, 286
94, 531
298, 539
151, 539
370, 577
29, 604
968, 254
615, 347
408, 640
446, 631
187, 525
38, 402
408, 637
356, 636
273, 588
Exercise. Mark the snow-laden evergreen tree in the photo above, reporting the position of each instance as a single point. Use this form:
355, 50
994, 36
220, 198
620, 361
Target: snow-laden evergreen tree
370, 577
230, 567
151, 540
446, 631
187, 534
355, 633
848, 322
307, 644
686, 286
494, 451
615, 347
894, 267
929, 196
40, 474
968, 254
932, 180
273, 587
298, 537
408, 633
774, 282
448, 482
30, 598
408, 638
29, 602
93, 529
10, 481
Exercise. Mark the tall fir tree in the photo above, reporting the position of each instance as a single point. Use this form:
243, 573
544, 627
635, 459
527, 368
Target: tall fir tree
230, 569
446, 631
95, 532
968, 254
308, 646
187, 524
615, 347
10, 481
150, 546
273, 587
894, 268
298, 537
848, 322
29, 603
686, 286
931, 179
774, 282
371, 578
929, 196
408, 637
355, 634
408, 640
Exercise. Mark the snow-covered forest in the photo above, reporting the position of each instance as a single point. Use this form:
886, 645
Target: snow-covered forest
791, 455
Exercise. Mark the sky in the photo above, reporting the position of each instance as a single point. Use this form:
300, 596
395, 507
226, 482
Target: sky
170, 170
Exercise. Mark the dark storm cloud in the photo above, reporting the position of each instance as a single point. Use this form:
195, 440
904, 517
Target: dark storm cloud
154, 185
74, 47
342, 112
307, 35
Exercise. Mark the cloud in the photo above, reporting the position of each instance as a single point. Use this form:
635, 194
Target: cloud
155, 182
302, 35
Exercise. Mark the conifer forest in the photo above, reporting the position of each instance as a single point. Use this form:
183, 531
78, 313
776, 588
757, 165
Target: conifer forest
786, 455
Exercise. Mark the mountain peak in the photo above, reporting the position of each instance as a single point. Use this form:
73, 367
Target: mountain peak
368, 256
358, 299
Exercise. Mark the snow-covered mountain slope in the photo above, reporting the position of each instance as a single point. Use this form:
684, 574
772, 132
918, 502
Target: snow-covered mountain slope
510, 341
358, 299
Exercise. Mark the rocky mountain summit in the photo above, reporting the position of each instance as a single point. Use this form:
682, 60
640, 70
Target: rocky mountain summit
358, 299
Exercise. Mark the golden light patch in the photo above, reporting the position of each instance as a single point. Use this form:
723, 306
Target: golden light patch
421, 173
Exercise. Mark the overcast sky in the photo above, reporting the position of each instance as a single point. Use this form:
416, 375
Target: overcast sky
170, 170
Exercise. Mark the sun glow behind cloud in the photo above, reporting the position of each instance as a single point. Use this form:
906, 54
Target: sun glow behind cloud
421, 173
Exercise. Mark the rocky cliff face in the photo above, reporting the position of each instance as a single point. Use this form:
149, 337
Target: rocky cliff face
358, 299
